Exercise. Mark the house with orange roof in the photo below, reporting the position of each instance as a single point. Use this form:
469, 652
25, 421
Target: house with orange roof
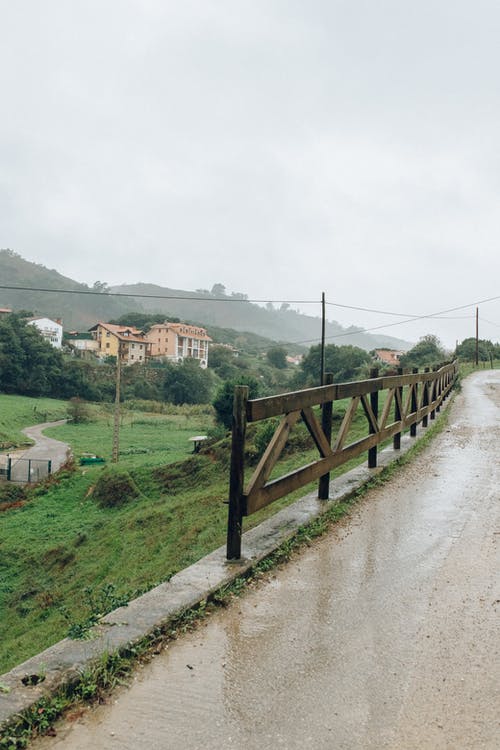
388, 356
178, 341
126, 341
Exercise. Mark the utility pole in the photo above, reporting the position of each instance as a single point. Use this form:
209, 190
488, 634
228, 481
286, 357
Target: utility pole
322, 361
116, 424
477, 336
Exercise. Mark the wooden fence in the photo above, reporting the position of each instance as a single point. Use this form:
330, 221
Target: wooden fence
409, 399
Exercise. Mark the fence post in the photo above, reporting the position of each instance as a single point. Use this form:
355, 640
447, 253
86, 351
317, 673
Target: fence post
396, 442
236, 477
414, 404
9, 468
425, 400
372, 452
326, 424
439, 390
49, 467
434, 387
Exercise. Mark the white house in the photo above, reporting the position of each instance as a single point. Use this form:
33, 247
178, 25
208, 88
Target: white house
51, 330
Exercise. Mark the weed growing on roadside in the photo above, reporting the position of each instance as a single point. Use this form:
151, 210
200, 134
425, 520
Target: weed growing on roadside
98, 604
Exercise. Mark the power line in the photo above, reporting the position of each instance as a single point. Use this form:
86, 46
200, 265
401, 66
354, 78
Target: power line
408, 319
159, 296
484, 320
255, 301
418, 317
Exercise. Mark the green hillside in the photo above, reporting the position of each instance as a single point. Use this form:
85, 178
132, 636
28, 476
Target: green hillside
83, 309
78, 311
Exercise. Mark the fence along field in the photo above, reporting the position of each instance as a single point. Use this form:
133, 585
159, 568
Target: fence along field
412, 398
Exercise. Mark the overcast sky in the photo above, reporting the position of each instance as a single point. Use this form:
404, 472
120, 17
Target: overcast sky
280, 147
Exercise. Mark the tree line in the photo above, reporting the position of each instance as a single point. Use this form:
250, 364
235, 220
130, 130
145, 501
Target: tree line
30, 366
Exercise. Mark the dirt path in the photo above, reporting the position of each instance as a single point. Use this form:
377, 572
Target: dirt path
45, 449
383, 634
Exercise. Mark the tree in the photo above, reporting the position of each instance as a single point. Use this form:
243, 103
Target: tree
343, 361
187, 383
100, 286
29, 365
223, 401
276, 356
78, 411
426, 353
218, 290
467, 349
143, 321
221, 359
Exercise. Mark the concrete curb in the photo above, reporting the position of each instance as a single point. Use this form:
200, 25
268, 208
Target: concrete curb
62, 663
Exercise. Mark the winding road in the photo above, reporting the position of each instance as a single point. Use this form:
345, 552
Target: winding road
382, 634
45, 449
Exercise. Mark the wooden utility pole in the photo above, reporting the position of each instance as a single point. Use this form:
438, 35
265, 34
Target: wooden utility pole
116, 424
322, 364
477, 336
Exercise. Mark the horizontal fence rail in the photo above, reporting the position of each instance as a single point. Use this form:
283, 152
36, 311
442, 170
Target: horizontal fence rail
410, 398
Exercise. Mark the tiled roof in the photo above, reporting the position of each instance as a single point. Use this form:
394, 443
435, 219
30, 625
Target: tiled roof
120, 332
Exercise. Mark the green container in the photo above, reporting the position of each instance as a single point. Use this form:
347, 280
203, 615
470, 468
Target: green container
92, 460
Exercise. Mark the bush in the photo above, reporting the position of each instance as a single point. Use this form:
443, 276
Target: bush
114, 488
263, 435
223, 402
11, 493
79, 411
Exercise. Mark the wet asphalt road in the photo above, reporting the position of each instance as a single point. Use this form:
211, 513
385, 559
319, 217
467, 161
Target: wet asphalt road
383, 634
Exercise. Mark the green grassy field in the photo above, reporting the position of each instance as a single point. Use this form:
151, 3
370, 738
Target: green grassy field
144, 438
17, 412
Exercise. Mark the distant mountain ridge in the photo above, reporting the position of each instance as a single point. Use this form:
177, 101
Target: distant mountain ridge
82, 308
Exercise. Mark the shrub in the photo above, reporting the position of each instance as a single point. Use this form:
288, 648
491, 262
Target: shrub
263, 435
223, 402
114, 488
79, 411
12, 493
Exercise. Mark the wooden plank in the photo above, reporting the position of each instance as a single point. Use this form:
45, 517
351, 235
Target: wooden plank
406, 407
299, 478
326, 427
399, 400
372, 419
316, 432
284, 403
273, 451
272, 406
258, 497
346, 424
387, 408
237, 508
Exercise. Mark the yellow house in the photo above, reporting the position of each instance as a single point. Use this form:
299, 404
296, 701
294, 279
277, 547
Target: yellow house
128, 341
178, 341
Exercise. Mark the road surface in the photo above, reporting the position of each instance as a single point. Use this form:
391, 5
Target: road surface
383, 634
45, 449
